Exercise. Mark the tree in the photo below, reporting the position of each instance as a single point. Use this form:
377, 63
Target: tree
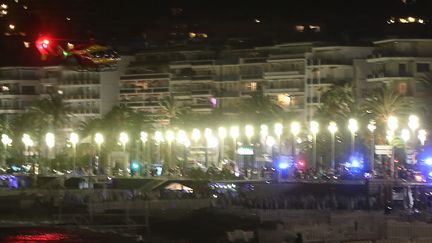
260, 108
338, 103
384, 103
49, 113
172, 110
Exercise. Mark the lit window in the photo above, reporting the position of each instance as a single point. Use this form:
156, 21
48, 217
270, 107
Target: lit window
252, 86
284, 100
402, 89
299, 28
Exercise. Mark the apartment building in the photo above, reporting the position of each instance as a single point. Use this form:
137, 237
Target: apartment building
399, 64
22, 86
89, 94
204, 80
332, 65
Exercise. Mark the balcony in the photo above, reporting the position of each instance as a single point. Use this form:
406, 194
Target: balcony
81, 96
205, 92
17, 93
326, 81
328, 61
228, 94
67, 82
283, 73
145, 76
252, 76
193, 78
142, 104
85, 111
383, 76
201, 107
227, 78
281, 89
127, 90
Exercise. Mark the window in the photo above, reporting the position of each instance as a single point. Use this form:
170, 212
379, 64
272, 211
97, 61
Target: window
252, 86
422, 67
402, 69
28, 90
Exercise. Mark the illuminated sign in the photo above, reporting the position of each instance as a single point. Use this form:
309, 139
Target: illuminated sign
245, 150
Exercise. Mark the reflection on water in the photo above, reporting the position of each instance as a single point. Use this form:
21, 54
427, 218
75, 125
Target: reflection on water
35, 235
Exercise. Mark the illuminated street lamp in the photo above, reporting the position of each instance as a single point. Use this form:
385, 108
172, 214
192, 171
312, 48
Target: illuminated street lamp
392, 123
249, 132
6, 141
196, 135
143, 137
332, 127
222, 135
422, 134
371, 127
353, 128
234, 133
123, 139
405, 135
314, 128
73, 138
413, 123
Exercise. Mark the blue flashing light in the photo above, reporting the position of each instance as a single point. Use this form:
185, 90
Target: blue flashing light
355, 163
428, 161
135, 166
430, 174
283, 165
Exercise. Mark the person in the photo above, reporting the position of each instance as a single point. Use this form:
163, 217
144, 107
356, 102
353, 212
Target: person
299, 238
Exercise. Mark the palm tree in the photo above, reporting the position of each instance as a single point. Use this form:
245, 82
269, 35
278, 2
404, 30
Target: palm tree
49, 113
385, 103
260, 108
338, 103
172, 110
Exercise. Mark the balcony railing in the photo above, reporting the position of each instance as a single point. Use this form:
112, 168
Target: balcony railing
145, 76
228, 94
79, 82
381, 74
81, 96
126, 90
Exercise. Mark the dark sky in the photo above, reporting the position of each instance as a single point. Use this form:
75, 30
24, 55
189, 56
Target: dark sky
121, 21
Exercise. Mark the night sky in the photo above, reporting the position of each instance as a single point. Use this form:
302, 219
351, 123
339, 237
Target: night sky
159, 21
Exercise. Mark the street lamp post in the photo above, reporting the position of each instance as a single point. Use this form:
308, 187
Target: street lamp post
314, 128
392, 124
73, 138
99, 139
184, 141
145, 159
50, 143
249, 132
123, 139
234, 132
264, 133
169, 136
222, 135
295, 130
353, 128
28, 142
371, 127
332, 127
6, 141
278, 130
207, 135
422, 136
158, 137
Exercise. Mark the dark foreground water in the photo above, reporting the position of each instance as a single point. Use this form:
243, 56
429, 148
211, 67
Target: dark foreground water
39, 235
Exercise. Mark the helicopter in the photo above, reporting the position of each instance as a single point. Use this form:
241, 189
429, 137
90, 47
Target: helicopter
88, 56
